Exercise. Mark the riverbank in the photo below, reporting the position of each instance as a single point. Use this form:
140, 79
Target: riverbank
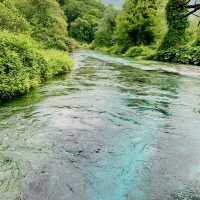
187, 55
137, 52
25, 64
34, 45
147, 65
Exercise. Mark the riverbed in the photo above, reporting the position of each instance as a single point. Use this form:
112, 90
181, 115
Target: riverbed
113, 129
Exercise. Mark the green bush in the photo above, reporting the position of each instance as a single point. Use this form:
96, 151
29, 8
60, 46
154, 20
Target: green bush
24, 64
74, 9
139, 51
28, 28
117, 49
11, 20
183, 55
46, 19
54, 63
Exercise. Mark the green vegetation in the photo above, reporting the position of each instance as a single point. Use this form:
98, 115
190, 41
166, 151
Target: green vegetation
83, 17
43, 20
33, 37
83, 29
177, 25
180, 44
137, 51
135, 24
106, 28
129, 31
155, 29
185, 55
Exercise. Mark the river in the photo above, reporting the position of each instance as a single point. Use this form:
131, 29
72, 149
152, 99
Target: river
113, 129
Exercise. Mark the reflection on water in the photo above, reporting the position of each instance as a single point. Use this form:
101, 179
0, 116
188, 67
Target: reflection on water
111, 130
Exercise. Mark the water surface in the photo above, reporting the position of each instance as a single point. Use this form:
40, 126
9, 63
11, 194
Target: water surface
111, 130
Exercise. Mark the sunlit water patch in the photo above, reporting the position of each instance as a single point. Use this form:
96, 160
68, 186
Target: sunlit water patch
110, 130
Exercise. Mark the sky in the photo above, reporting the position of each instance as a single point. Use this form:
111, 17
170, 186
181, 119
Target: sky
117, 3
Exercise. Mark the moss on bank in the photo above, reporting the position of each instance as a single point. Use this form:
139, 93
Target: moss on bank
24, 64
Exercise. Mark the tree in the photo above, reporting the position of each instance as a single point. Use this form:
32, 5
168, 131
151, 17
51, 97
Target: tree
106, 27
135, 25
192, 6
47, 21
73, 10
83, 16
83, 29
78, 8
176, 12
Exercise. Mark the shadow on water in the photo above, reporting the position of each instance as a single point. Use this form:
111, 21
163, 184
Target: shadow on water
107, 131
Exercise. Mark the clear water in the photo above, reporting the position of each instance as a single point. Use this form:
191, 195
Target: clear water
110, 130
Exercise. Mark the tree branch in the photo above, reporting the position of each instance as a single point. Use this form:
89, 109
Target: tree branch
191, 12
193, 6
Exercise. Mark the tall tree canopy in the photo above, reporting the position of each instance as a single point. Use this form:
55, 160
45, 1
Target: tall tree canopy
45, 19
177, 23
83, 16
106, 27
135, 25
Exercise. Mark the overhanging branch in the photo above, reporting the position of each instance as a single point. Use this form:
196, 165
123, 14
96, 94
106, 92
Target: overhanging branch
193, 8
191, 12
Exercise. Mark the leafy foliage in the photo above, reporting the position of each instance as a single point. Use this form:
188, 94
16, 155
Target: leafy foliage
139, 51
47, 20
27, 29
135, 23
83, 29
43, 20
83, 16
23, 64
10, 19
183, 55
177, 24
106, 27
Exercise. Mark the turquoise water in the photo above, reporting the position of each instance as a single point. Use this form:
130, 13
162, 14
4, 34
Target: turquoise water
111, 130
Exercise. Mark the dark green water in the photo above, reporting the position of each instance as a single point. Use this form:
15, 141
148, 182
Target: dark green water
110, 130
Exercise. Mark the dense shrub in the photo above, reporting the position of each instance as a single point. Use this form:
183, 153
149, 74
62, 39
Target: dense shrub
28, 29
54, 63
183, 55
23, 64
11, 20
46, 20
117, 49
139, 51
